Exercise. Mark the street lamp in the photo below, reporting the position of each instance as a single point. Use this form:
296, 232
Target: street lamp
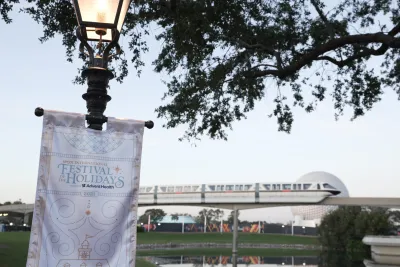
100, 21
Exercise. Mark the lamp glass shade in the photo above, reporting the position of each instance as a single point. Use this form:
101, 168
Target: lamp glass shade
101, 14
122, 15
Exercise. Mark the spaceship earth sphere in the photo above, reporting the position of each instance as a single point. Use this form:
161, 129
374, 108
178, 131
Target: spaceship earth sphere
317, 212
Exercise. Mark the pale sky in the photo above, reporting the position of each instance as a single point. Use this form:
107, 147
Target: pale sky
363, 153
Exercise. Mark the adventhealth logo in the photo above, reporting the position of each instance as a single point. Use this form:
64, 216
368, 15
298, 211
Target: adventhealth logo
94, 173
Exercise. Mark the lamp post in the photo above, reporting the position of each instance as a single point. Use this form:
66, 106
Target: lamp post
100, 21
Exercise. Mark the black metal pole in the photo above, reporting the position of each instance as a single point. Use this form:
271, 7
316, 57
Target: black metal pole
96, 96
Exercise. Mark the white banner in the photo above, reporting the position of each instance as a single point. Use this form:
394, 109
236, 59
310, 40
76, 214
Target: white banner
87, 193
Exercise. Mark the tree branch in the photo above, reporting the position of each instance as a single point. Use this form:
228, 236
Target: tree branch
270, 51
365, 53
324, 19
385, 39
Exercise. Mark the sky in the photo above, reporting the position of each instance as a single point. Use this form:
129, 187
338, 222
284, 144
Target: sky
363, 154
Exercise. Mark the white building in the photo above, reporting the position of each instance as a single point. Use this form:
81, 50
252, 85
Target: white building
310, 216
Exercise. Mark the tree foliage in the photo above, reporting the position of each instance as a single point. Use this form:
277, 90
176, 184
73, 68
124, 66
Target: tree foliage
221, 55
211, 215
344, 228
12, 203
395, 216
231, 217
156, 215
175, 216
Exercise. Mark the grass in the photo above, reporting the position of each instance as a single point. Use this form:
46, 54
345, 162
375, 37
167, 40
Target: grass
14, 245
16, 251
144, 263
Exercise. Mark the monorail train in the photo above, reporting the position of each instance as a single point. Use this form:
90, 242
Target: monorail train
228, 193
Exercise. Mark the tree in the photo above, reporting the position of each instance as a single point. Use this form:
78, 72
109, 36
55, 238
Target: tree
18, 202
213, 216
203, 214
156, 215
175, 217
218, 215
395, 216
7, 203
222, 55
230, 217
344, 228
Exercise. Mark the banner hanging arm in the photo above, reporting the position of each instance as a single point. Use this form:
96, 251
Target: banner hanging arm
39, 113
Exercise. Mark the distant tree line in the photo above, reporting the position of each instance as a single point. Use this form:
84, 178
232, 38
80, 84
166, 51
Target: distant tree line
12, 203
209, 215
156, 215
212, 216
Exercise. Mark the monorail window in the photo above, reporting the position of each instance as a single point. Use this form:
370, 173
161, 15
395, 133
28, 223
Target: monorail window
295, 187
170, 189
247, 187
276, 187
194, 188
229, 187
186, 189
220, 187
298, 186
142, 190
328, 186
148, 189
212, 187
267, 187
239, 187
178, 189
318, 186
306, 186
286, 186
163, 189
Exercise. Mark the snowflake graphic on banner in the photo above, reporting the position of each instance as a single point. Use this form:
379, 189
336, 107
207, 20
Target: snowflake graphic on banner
93, 143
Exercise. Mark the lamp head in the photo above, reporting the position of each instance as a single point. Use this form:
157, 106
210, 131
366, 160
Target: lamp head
98, 19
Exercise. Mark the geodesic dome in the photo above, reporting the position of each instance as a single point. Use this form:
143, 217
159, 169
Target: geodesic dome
317, 212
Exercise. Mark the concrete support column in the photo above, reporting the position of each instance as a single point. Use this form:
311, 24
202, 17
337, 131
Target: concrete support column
28, 218
292, 227
234, 260
205, 224
235, 232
